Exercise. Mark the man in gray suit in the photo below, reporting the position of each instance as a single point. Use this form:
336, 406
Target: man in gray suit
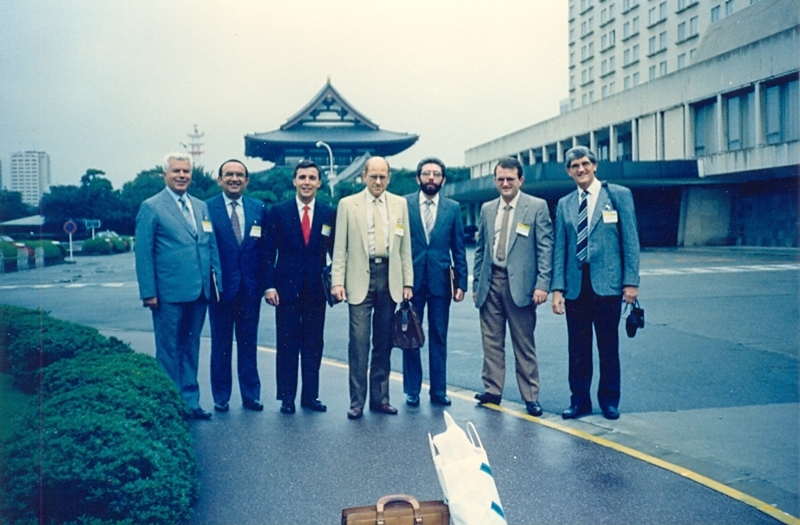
511, 278
595, 264
176, 252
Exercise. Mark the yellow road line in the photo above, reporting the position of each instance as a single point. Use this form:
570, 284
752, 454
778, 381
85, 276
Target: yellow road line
756, 503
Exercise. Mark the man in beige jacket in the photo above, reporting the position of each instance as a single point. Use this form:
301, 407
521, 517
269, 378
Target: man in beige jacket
372, 270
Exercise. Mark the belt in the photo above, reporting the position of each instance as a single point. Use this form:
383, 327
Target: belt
496, 268
378, 260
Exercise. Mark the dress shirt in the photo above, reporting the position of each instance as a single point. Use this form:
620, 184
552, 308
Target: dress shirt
239, 210
301, 205
384, 211
186, 199
594, 191
434, 206
498, 225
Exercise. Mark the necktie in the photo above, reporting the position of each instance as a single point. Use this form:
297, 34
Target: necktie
305, 225
380, 242
583, 227
503, 240
187, 214
428, 218
237, 228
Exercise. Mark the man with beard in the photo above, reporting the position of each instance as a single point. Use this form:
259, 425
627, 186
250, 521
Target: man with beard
440, 274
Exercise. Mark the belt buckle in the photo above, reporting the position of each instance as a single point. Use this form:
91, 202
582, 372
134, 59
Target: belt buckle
378, 260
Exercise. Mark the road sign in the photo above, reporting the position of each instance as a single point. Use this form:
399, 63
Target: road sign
70, 227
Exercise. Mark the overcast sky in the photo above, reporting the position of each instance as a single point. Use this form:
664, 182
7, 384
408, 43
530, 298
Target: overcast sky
114, 85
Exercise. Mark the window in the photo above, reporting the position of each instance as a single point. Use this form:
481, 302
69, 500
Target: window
612, 64
651, 45
607, 40
681, 4
626, 82
626, 57
662, 11
635, 25
705, 130
692, 53
604, 92
591, 96
611, 88
636, 79
681, 31
662, 40
571, 82
583, 99
626, 30
782, 112
627, 5
715, 13
652, 72
729, 7
682, 61
604, 67
635, 52
741, 121
652, 15
591, 49
662, 68
693, 26
571, 36
572, 59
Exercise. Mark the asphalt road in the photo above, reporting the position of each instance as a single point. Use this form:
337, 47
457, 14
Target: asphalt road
710, 384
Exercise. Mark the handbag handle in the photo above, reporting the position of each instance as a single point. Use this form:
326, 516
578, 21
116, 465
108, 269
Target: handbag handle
411, 500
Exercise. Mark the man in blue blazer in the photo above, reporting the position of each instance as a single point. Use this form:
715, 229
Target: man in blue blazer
437, 244
300, 235
595, 268
511, 278
176, 253
238, 222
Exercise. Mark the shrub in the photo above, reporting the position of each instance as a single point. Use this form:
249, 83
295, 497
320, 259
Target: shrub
97, 247
9, 251
52, 252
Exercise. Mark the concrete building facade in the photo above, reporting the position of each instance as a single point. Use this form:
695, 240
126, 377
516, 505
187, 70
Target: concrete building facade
29, 174
708, 147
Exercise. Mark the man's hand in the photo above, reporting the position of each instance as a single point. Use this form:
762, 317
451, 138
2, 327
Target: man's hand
459, 295
408, 293
558, 302
271, 297
151, 303
474, 297
629, 294
539, 297
339, 293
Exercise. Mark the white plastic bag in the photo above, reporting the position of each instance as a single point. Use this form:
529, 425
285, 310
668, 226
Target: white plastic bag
465, 476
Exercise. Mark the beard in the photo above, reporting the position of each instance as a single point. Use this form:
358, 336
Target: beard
430, 188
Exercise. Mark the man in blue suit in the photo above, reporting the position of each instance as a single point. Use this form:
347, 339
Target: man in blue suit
176, 253
595, 268
300, 235
437, 244
238, 222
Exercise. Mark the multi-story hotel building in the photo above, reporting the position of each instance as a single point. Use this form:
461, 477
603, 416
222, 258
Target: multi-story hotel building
30, 175
702, 124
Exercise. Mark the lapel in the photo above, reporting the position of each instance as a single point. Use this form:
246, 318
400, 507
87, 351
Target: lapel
491, 217
218, 208
198, 216
600, 205
295, 229
174, 209
395, 217
251, 218
360, 211
573, 205
520, 213
415, 217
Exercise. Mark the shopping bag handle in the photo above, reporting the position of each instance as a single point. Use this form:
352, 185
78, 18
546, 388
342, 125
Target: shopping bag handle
411, 500
470, 431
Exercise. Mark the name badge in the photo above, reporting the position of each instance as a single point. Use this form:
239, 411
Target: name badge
523, 229
610, 216
255, 231
207, 226
400, 230
326, 230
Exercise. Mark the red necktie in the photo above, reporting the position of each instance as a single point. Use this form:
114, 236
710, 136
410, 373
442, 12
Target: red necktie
305, 225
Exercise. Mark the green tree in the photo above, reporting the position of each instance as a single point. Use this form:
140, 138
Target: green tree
12, 207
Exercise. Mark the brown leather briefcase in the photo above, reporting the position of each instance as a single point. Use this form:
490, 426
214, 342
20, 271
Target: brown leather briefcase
398, 509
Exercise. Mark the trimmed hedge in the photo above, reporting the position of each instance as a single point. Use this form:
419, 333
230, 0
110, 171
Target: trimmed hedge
97, 247
52, 252
106, 442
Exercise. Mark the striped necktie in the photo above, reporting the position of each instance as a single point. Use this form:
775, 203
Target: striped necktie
583, 227
237, 227
187, 214
428, 218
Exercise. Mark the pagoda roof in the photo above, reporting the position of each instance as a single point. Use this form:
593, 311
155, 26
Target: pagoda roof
330, 118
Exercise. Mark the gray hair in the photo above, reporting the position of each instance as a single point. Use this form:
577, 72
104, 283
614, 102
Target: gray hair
578, 152
175, 156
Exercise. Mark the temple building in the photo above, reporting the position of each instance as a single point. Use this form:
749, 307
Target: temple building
331, 119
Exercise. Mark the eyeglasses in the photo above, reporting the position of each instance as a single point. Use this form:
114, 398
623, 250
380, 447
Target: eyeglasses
233, 175
376, 178
436, 174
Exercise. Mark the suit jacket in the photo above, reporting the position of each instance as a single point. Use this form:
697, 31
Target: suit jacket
173, 263
528, 257
297, 262
613, 247
351, 248
242, 264
432, 260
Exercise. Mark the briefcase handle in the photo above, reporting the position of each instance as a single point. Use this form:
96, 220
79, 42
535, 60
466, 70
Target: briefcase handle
391, 498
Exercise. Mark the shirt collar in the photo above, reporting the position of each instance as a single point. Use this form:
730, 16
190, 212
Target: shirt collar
422, 199
513, 202
228, 200
175, 196
593, 189
301, 204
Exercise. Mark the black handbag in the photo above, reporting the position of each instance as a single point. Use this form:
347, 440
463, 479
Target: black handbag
635, 319
406, 329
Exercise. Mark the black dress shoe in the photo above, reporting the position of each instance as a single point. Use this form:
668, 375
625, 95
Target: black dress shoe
412, 400
575, 412
287, 407
384, 408
440, 400
355, 413
611, 412
199, 413
221, 407
533, 408
252, 404
315, 405
486, 397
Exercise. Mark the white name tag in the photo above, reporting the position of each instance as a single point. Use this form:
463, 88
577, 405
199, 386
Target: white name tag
255, 231
610, 216
399, 230
207, 226
523, 229
326, 230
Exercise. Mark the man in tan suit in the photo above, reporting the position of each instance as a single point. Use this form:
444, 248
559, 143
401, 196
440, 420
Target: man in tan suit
372, 270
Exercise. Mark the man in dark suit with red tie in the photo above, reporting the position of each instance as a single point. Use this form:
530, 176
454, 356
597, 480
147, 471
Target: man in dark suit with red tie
238, 223
299, 237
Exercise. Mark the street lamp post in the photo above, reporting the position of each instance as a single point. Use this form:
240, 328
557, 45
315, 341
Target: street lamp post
331, 172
